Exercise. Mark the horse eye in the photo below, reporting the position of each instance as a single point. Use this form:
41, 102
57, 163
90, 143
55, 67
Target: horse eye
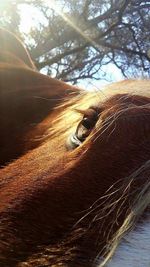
88, 124
83, 130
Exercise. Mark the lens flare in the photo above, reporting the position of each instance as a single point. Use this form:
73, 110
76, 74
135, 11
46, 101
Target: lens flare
58, 9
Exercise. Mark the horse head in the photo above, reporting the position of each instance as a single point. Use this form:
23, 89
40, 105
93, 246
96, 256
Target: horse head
74, 165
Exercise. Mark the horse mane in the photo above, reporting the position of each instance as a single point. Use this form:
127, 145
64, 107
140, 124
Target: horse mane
140, 202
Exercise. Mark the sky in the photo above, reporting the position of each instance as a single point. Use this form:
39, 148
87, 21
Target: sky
29, 18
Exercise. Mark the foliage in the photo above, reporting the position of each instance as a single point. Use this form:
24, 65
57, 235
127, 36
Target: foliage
73, 40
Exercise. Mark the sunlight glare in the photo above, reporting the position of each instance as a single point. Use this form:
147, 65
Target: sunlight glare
57, 8
29, 15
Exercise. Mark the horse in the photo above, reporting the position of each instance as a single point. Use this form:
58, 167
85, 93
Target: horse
75, 166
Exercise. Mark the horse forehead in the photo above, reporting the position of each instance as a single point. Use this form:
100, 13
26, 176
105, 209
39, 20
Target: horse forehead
127, 98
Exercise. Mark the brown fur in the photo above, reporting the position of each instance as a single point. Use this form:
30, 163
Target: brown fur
47, 190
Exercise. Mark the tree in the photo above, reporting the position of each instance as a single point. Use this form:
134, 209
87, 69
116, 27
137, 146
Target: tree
76, 38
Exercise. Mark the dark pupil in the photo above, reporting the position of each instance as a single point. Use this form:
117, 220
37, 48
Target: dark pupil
87, 123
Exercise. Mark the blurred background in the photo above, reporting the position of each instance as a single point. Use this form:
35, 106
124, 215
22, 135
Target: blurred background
84, 42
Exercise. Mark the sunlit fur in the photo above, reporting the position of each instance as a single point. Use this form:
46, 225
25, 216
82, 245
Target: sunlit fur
61, 207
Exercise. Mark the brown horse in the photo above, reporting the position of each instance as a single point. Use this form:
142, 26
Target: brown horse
75, 166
